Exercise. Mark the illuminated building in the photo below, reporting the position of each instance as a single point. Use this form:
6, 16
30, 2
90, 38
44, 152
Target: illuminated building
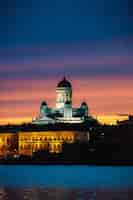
48, 140
25, 143
8, 143
64, 112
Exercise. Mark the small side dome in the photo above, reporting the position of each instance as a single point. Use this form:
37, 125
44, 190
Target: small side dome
84, 104
68, 102
44, 103
64, 83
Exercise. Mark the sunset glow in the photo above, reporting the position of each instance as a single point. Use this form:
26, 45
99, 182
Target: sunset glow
20, 99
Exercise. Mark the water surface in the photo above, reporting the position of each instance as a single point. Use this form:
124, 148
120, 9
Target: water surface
66, 176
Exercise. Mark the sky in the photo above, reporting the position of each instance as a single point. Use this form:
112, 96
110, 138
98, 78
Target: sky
91, 42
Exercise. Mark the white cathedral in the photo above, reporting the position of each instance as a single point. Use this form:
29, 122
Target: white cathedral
64, 112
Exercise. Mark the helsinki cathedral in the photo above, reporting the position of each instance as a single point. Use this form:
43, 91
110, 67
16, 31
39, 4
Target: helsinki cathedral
64, 111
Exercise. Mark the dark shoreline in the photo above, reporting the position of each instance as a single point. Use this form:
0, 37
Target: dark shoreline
49, 127
67, 164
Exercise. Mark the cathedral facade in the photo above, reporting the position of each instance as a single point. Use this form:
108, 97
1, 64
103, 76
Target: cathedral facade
64, 111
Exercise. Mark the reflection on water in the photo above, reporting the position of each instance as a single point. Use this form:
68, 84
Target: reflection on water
38, 193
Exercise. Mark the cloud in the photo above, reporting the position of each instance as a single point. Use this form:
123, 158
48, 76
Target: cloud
90, 58
73, 65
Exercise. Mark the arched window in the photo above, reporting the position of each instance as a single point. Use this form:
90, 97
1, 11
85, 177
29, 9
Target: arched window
58, 146
54, 147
